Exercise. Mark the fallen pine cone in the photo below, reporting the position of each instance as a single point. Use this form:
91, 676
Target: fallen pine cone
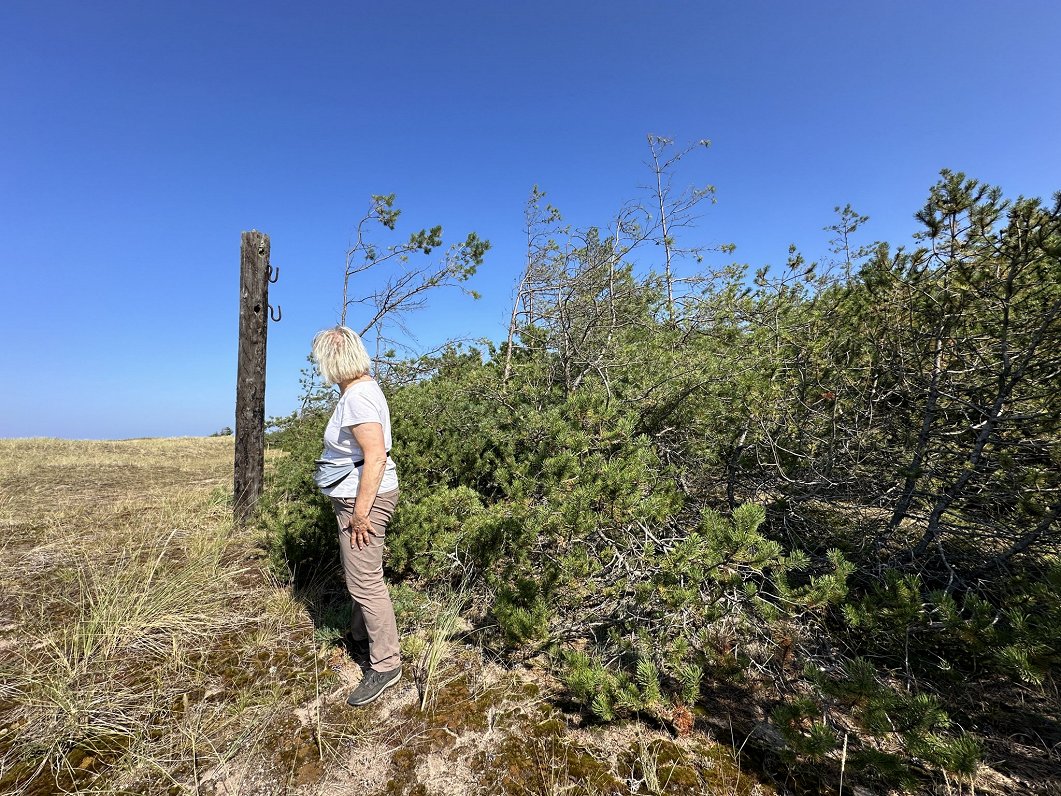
681, 719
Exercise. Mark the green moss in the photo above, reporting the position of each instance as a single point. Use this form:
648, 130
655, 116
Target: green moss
454, 711
667, 763
540, 758
677, 771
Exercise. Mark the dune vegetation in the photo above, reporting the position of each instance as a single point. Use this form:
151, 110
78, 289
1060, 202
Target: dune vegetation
812, 512
146, 648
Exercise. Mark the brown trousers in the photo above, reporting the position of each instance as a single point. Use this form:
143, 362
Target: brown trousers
373, 614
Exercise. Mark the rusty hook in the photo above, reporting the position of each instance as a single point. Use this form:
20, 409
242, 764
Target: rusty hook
279, 313
272, 274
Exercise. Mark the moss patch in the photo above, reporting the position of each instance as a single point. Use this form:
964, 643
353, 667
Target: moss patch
665, 768
536, 756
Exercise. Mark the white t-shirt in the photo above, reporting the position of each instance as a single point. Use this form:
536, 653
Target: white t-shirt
363, 402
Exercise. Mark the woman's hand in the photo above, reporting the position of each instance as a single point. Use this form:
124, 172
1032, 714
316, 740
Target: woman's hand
360, 530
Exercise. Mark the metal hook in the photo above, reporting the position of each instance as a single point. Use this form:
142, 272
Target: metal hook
279, 313
272, 274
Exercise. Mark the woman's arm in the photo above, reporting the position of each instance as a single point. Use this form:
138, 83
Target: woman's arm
370, 437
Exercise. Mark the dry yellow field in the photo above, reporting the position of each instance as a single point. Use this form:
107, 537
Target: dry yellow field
142, 645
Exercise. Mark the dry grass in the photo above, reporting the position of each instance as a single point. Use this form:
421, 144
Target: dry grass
134, 649
438, 648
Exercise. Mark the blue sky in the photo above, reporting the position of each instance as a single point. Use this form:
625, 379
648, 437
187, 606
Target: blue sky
140, 138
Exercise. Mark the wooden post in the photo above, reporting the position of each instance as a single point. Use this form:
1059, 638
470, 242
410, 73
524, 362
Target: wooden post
250, 379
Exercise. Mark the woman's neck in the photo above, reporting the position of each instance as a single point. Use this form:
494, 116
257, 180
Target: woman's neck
344, 384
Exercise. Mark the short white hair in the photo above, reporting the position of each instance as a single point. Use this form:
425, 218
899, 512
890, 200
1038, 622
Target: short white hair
340, 355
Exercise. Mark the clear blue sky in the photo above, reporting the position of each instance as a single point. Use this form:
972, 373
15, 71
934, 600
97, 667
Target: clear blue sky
138, 139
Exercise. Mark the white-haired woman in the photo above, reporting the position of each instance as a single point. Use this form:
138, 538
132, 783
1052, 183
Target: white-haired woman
359, 476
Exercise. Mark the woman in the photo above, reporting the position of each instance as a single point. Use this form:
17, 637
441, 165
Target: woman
356, 442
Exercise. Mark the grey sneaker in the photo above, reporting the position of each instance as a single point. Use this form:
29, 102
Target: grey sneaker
372, 685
